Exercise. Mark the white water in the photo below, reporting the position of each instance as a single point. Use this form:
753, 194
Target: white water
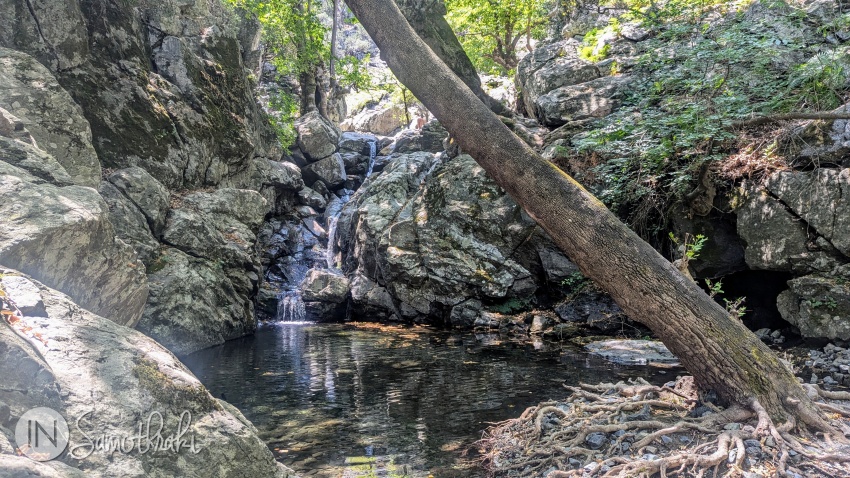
290, 307
373, 149
334, 212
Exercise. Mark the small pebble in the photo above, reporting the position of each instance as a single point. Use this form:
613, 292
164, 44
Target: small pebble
651, 450
575, 463
649, 457
685, 439
666, 440
732, 426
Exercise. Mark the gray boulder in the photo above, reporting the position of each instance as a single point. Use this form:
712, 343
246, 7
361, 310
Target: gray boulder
325, 295
309, 197
30, 92
112, 379
550, 67
330, 171
203, 285
146, 193
385, 119
357, 142
317, 137
818, 305
592, 99
632, 352
430, 138
797, 222
430, 240
63, 237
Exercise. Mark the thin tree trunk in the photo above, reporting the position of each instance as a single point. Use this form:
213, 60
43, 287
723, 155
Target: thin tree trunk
717, 349
334, 29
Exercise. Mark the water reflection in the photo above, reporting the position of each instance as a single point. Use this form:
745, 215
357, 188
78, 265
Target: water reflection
322, 395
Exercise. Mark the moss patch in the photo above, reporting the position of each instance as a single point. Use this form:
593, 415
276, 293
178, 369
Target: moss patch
165, 391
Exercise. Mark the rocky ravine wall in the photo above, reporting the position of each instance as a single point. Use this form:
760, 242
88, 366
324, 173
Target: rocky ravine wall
159, 117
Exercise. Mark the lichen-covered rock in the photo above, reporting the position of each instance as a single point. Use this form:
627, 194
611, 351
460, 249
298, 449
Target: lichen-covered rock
112, 378
818, 305
798, 222
203, 285
148, 195
163, 85
330, 171
131, 226
549, 67
30, 92
592, 99
195, 303
318, 138
52, 32
325, 295
421, 242
63, 237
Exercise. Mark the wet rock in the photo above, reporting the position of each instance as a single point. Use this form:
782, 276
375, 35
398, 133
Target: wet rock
311, 198
592, 309
632, 352
330, 171
317, 137
358, 143
463, 315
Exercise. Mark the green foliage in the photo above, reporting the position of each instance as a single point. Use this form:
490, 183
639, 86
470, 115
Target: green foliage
594, 47
511, 306
693, 245
735, 307
576, 282
492, 31
707, 66
283, 112
827, 302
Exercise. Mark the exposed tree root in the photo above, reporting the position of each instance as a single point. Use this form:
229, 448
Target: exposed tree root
637, 429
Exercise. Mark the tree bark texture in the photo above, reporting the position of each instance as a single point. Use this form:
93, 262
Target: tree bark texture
718, 350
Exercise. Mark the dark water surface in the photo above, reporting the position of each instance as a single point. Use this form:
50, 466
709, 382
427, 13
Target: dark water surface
341, 400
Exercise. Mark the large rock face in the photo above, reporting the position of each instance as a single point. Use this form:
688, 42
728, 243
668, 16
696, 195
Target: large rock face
415, 247
203, 284
798, 222
163, 101
112, 379
592, 99
163, 85
61, 233
30, 92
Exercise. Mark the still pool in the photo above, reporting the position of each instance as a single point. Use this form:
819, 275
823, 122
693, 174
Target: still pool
367, 400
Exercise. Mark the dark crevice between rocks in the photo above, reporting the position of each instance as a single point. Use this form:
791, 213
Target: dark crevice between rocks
761, 289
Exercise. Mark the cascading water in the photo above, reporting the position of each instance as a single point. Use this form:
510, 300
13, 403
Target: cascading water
373, 150
332, 214
291, 307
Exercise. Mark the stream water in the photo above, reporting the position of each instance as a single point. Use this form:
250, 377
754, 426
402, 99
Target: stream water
358, 401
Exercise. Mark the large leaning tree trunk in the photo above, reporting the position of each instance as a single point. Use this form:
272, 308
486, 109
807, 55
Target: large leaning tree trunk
427, 17
718, 350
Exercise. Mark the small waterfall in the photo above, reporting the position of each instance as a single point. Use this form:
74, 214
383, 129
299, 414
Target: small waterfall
373, 151
290, 307
332, 214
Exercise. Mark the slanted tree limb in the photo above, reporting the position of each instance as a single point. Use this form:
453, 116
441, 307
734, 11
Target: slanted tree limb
761, 120
719, 351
